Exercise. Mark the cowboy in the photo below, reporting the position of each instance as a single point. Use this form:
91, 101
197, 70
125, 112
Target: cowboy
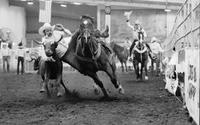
54, 34
136, 28
156, 51
20, 57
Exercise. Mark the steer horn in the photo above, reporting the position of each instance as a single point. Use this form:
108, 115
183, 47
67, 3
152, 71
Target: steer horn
38, 42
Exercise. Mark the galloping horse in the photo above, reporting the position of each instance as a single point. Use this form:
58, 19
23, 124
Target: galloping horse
122, 54
85, 60
140, 56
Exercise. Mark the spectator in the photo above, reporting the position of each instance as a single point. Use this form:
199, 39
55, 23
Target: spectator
5, 56
20, 57
156, 54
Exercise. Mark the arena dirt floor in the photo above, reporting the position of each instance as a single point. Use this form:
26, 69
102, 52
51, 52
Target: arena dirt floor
144, 103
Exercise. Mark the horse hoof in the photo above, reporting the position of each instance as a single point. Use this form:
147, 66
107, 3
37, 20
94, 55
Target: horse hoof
146, 77
96, 92
59, 94
121, 90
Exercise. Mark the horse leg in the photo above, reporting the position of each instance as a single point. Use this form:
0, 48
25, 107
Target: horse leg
122, 66
136, 69
111, 73
99, 83
141, 70
126, 67
157, 67
146, 72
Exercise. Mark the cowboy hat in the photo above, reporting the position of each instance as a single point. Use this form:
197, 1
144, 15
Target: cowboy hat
137, 22
44, 27
153, 39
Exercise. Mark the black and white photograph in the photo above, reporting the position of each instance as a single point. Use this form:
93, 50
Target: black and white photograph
99, 62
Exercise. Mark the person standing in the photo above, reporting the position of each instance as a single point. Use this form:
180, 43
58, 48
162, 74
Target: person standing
5, 51
156, 54
20, 57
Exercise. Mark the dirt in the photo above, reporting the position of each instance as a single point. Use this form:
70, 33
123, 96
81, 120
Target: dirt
144, 102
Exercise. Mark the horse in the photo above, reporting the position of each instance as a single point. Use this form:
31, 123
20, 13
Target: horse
122, 54
85, 60
140, 56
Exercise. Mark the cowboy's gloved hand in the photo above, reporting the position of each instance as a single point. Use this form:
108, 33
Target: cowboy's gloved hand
59, 27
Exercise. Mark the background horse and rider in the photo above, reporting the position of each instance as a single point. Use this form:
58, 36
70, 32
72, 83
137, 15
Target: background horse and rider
140, 52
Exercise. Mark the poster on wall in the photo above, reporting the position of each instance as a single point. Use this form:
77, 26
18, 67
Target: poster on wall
171, 74
45, 11
192, 83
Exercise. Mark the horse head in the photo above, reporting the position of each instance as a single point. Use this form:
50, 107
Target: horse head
86, 29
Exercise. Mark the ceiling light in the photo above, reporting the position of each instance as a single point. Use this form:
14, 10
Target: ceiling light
76, 3
30, 3
166, 7
167, 10
63, 5
23, 0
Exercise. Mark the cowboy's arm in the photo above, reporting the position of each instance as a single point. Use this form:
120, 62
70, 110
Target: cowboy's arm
129, 25
67, 32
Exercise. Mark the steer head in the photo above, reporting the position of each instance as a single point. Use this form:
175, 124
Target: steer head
49, 47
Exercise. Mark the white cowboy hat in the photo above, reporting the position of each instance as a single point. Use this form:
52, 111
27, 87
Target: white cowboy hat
44, 27
137, 22
153, 39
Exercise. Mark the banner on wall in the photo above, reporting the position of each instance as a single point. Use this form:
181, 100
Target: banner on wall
45, 11
171, 74
192, 83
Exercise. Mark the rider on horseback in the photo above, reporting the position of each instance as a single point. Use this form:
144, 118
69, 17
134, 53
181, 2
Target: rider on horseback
94, 32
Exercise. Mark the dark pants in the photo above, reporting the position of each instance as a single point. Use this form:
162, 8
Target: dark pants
6, 60
20, 60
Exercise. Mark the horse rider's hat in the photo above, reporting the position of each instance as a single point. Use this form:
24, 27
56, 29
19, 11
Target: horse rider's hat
44, 27
153, 39
85, 17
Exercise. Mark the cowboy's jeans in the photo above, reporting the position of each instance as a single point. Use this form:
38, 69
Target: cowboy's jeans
20, 60
6, 60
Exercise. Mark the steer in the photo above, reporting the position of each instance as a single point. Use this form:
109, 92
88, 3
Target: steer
49, 69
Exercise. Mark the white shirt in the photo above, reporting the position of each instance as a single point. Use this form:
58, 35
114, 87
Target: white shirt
62, 46
21, 52
156, 48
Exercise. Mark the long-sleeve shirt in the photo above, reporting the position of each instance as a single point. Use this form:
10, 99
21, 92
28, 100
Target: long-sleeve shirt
156, 48
135, 31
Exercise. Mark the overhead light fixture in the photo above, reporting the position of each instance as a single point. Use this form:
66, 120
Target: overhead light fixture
166, 7
167, 10
76, 3
30, 3
63, 5
23, 0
